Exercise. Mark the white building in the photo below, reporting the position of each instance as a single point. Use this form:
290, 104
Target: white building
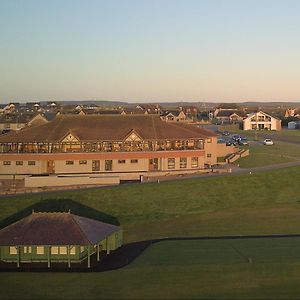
261, 121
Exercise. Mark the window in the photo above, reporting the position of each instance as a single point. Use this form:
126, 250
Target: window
208, 155
134, 161
209, 140
54, 250
62, 250
95, 165
194, 162
6, 163
108, 165
70, 162
13, 250
31, 163
183, 162
81, 249
121, 161
40, 250
82, 162
19, 163
171, 163
27, 249
73, 250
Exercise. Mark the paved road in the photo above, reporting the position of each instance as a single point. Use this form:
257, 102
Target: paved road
125, 255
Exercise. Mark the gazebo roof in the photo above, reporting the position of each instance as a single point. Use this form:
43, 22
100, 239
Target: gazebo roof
48, 228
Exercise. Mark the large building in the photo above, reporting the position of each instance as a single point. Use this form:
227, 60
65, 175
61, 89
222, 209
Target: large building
57, 238
261, 121
126, 146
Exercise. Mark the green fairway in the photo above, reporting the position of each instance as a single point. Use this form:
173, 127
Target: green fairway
261, 155
260, 203
235, 269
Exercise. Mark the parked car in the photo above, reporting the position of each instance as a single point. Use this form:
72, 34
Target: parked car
243, 141
236, 137
268, 142
225, 133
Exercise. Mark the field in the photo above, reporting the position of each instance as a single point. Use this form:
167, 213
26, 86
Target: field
261, 203
261, 155
235, 269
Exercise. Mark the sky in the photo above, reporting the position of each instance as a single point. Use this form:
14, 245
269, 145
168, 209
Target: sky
150, 50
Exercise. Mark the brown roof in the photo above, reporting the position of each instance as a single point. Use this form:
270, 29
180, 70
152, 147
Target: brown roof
46, 228
106, 128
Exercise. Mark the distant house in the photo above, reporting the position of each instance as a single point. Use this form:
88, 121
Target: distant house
41, 118
150, 108
261, 121
230, 116
173, 116
291, 112
57, 237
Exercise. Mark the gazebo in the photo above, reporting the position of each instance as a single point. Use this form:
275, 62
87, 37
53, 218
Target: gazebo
59, 237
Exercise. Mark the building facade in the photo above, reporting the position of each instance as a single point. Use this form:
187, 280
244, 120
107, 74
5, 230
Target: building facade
261, 121
126, 145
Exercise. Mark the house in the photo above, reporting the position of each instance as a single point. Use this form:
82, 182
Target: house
174, 116
41, 118
57, 237
291, 112
261, 121
105, 146
150, 108
230, 116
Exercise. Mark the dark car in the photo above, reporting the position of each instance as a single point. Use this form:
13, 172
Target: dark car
225, 133
243, 141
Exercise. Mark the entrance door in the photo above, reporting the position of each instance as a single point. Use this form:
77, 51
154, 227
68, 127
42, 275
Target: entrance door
95, 165
50, 167
153, 164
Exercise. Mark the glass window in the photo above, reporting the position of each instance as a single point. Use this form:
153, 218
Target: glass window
108, 165
19, 163
31, 163
183, 162
6, 163
171, 163
13, 250
121, 161
70, 162
62, 250
134, 161
40, 250
81, 249
82, 162
73, 250
195, 162
208, 155
27, 249
54, 250
209, 140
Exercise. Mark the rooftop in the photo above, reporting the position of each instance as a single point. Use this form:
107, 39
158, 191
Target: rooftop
55, 228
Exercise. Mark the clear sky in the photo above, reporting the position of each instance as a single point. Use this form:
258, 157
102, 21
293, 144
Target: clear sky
155, 50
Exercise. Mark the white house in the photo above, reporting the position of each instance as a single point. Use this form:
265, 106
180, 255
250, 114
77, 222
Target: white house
261, 121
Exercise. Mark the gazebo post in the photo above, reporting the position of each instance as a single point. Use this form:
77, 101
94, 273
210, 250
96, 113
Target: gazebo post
49, 254
69, 258
88, 258
107, 251
18, 256
98, 252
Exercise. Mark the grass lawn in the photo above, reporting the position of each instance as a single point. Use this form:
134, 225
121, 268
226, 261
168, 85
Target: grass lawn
178, 270
261, 155
267, 202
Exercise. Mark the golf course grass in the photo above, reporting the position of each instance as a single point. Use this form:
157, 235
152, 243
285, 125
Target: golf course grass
261, 155
260, 203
